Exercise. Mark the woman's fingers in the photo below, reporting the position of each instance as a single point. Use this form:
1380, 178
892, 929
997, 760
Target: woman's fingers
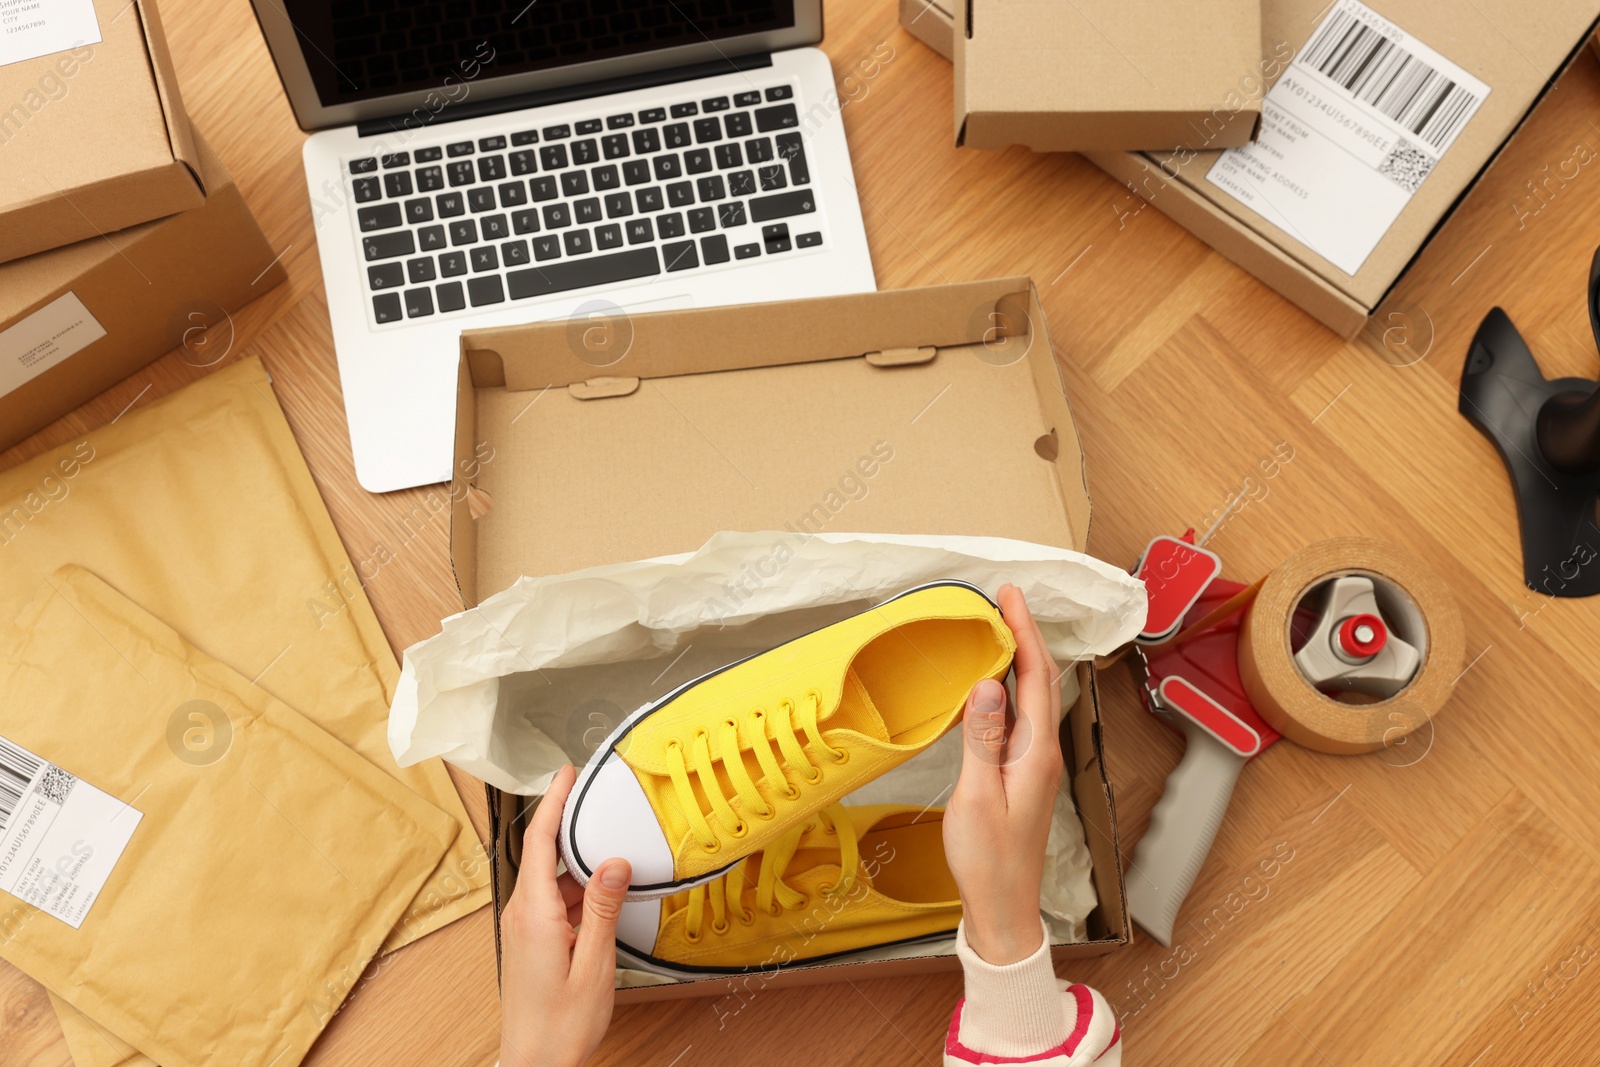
1038, 684
539, 840
984, 727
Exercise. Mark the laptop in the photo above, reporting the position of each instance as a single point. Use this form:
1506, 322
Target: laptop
477, 163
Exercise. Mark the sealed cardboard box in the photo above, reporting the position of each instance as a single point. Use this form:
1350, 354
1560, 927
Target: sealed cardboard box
1380, 118
93, 134
74, 321
1104, 75
743, 418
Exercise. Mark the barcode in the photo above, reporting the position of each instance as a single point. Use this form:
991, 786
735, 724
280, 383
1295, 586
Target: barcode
17, 769
1380, 71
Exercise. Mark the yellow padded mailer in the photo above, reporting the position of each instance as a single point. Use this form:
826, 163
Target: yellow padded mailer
199, 508
251, 884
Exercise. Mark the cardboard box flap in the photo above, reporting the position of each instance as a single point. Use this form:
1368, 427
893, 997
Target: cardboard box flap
772, 416
180, 136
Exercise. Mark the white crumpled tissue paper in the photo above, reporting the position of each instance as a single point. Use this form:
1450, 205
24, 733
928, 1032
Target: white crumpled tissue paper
537, 675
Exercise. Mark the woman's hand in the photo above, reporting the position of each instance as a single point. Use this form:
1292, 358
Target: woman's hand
556, 982
998, 819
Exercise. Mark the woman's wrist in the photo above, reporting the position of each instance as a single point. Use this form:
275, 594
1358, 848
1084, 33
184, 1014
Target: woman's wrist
1014, 938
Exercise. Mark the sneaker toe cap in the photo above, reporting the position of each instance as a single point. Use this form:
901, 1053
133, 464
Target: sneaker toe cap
611, 818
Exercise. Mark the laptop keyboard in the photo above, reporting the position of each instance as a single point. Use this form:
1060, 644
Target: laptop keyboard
476, 223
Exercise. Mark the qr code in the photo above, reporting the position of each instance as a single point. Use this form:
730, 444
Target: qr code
1406, 165
56, 785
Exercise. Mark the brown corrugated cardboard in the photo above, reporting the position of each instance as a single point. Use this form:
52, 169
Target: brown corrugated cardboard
94, 312
1517, 57
94, 139
1106, 75
961, 380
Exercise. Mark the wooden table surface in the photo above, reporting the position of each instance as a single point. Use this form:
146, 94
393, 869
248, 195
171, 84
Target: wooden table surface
1434, 909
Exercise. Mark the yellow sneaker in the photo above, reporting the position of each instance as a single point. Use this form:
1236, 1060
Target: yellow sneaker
845, 880
723, 766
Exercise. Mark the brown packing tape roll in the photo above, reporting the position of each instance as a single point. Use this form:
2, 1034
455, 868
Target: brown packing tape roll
1295, 709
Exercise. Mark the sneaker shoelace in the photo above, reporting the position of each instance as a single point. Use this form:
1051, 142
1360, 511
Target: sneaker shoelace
703, 760
725, 895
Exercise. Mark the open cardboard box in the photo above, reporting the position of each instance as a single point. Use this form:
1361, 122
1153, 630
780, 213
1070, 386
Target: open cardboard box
1517, 56
747, 418
95, 136
74, 321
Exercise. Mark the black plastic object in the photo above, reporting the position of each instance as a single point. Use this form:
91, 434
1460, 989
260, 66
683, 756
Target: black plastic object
1548, 434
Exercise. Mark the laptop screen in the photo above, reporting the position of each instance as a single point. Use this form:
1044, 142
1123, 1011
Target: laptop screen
361, 49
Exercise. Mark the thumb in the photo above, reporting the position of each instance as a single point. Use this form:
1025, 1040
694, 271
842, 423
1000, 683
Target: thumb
984, 726
595, 957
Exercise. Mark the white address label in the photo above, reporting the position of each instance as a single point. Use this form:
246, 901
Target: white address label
60, 329
60, 837
1349, 133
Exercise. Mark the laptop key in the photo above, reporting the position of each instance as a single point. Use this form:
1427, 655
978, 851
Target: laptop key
670, 225
574, 183
554, 133
485, 290
367, 189
680, 255
776, 238
585, 152
618, 122
557, 216
639, 231
480, 198
378, 217
450, 298
513, 193
419, 210
653, 114
680, 194
459, 148
588, 126
646, 142
778, 117
677, 135
741, 183
587, 210
746, 99
731, 214
716, 103
494, 227
636, 171
553, 156
714, 249
464, 232
614, 145
386, 307
491, 144
484, 258
514, 253
780, 92
749, 251
608, 236
525, 137
386, 276
544, 248
791, 146
711, 188
649, 199
363, 166
430, 238
782, 205
452, 264
419, 302
429, 155
450, 204
702, 219
577, 242
758, 149
772, 179
461, 173
542, 188
581, 273
524, 162
397, 184
680, 111
737, 124
605, 177
708, 129
697, 161
388, 245
667, 167
808, 240
525, 221
491, 168
420, 270
728, 155
430, 179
